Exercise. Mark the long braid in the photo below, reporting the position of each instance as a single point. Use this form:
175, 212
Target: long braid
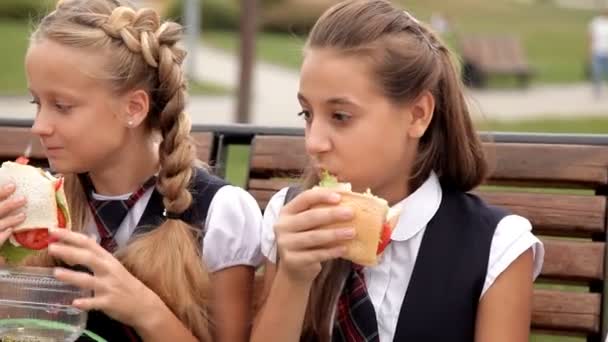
145, 54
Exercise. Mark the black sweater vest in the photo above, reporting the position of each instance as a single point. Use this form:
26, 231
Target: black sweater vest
203, 188
449, 273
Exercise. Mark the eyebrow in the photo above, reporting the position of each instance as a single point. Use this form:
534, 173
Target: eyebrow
332, 100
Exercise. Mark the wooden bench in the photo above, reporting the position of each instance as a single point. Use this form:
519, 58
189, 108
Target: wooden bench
571, 225
485, 56
567, 174
14, 140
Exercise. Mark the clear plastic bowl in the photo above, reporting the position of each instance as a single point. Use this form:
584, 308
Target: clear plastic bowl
34, 306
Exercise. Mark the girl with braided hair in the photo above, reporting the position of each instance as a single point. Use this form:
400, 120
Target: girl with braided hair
384, 110
173, 248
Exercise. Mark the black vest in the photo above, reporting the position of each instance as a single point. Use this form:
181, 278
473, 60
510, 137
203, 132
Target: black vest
443, 294
450, 270
204, 187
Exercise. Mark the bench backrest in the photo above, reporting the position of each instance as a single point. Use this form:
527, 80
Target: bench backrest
495, 54
15, 140
561, 187
532, 180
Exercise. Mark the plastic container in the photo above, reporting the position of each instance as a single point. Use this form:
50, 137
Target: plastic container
34, 306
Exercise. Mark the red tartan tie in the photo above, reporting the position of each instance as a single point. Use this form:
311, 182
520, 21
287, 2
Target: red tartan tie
109, 214
356, 317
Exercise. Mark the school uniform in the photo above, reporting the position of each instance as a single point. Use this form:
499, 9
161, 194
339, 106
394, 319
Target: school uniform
229, 220
446, 251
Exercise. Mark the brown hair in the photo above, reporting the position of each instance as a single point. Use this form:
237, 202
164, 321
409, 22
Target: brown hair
407, 59
143, 53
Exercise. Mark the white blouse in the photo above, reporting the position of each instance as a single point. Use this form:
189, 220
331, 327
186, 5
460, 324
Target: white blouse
387, 282
232, 227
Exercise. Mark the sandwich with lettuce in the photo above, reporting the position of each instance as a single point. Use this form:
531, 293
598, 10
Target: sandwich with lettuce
46, 207
373, 221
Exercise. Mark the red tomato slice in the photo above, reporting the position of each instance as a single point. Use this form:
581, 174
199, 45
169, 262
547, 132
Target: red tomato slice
22, 160
38, 239
58, 184
35, 239
61, 219
385, 238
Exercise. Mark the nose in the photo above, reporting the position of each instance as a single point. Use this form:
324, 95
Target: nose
42, 125
318, 138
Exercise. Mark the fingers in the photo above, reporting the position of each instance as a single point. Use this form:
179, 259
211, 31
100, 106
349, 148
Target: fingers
314, 218
76, 239
11, 221
307, 258
73, 255
7, 205
4, 234
79, 279
88, 304
315, 238
6, 190
311, 198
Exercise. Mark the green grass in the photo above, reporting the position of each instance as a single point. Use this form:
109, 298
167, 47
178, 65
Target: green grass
14, 35
554, 39
280, 49
236, 164
207, 88
575, 124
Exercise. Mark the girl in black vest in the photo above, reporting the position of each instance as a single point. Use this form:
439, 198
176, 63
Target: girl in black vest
384, 109
173, 249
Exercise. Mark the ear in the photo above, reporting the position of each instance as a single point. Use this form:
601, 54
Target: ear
137, 104
421, 114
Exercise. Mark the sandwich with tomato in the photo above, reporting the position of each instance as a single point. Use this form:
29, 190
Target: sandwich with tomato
373, 221
46, 207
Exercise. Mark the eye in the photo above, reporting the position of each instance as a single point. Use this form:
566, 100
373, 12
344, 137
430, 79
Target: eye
305, 114
341, 117
62, 107
37, 103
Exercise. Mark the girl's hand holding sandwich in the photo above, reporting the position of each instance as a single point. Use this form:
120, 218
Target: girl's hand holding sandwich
301, 245
117, 292
9, 218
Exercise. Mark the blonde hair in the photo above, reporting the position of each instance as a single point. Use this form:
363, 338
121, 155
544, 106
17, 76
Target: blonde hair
143, 53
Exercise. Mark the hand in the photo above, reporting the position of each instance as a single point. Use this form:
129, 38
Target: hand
302, 246
116, 291
8, 217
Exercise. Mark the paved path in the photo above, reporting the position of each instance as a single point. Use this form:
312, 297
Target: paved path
275, 104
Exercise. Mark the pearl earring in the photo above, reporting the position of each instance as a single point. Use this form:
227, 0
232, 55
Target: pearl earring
130, 123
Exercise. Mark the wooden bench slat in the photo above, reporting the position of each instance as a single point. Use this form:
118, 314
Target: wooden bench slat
14, 141
562, 214
566, 311
573, 260
204, 145
579, 165
551, 163
278, 153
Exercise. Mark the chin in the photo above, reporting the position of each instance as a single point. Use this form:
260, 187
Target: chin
64, 167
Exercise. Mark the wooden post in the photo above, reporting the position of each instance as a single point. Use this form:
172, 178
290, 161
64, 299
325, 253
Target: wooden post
248, 28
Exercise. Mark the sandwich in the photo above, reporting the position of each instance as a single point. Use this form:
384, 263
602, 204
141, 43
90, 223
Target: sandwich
373, 221
46, 207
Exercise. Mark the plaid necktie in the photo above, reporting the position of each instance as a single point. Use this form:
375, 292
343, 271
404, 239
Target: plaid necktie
109, 214
356, 317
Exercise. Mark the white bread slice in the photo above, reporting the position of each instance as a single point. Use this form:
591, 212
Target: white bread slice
370, 213
39, 190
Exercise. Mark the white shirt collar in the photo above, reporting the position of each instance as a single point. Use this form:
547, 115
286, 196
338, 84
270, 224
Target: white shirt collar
418, 209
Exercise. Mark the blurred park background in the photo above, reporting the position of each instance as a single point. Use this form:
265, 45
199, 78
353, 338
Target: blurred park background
526, 61
541, 83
